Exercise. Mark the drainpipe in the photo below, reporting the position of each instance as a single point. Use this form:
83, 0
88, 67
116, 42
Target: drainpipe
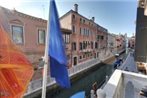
71, 55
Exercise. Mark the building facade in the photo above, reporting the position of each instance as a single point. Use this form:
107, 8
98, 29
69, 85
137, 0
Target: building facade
131, 42
141, 35
87, 37
28, 33
112, 43
120, 42
83, 37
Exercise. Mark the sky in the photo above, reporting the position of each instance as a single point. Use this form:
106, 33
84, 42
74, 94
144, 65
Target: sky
117, 16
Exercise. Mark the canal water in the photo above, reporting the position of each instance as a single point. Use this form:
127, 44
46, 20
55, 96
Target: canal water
84, 82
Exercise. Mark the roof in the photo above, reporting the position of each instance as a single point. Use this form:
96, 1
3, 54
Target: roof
15, 12
12, 12
71, 11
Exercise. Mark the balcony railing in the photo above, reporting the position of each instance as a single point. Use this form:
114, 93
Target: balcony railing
123, 84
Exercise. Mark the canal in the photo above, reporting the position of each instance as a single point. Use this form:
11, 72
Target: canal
83, 82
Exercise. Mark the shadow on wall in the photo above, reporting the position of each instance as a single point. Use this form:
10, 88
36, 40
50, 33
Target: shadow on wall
113, 87
129, 90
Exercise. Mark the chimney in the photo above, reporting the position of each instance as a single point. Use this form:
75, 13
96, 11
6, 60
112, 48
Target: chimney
76, 8
14, 10
93, 19
141, 3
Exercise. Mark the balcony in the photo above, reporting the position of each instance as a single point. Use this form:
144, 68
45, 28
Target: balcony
124, 84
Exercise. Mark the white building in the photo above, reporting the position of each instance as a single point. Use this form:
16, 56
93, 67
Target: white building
112, 44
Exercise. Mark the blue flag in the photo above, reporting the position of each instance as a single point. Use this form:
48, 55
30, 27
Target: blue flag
58, 60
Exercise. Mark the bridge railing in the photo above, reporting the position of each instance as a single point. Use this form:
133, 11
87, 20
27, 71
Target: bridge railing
36, 85
82, 66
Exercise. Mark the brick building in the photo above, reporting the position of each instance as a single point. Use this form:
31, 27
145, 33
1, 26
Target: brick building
28, 32
83, 37
87, 37
121, 42
131, 42
112, 42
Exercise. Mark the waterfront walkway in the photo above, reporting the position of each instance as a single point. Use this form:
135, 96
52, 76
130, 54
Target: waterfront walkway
129, 64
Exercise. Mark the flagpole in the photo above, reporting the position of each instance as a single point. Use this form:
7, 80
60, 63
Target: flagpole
46, 58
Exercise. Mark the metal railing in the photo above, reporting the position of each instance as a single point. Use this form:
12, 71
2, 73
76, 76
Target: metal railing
36, 85
82, 66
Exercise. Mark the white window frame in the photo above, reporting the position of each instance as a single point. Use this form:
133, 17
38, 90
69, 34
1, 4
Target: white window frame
39, 37
23, 31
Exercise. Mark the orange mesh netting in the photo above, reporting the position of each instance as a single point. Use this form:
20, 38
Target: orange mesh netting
15, 70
